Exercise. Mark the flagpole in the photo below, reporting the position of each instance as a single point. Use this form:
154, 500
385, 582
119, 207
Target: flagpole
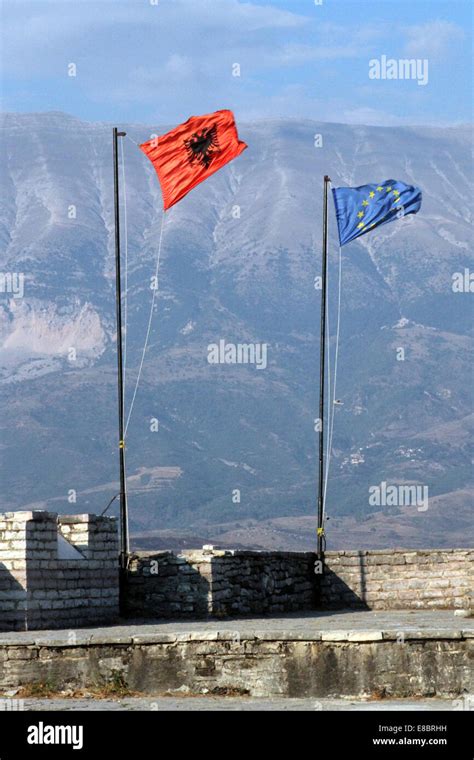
320, 532
124, 541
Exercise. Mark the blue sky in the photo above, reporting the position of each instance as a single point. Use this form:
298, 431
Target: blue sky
137, 61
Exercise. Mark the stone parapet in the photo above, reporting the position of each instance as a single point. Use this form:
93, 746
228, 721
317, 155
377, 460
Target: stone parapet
218, 582
399, 579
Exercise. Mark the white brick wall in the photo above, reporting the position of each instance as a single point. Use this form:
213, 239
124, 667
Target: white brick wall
39, 590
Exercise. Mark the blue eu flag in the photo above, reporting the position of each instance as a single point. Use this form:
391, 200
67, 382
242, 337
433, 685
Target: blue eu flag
361, 209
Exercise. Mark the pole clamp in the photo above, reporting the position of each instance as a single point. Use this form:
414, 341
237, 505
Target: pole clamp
121, 444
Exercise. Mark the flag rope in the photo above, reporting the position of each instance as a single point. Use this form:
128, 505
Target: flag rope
336, 357
150, 319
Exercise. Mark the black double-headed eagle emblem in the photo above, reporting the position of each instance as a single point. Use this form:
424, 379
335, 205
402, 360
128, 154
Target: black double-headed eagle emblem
202, 146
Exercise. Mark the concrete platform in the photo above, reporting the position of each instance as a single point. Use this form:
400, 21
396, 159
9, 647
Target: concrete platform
311, 626
395, 654
245, 704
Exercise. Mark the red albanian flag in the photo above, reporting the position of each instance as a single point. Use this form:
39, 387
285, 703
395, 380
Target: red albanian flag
192, 152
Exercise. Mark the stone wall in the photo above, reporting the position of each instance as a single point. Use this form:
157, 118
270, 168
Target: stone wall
294, 663
57, 572
62, 572
387, 579
213, 582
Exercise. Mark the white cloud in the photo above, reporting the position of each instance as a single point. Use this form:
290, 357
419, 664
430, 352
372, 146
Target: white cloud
432, 40
178, 65
43, 31
141, 62
297, 54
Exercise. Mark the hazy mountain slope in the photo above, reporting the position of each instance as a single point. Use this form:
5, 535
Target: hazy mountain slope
243, 279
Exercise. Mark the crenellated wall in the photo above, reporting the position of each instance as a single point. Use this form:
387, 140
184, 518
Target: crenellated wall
62, 572
57, 571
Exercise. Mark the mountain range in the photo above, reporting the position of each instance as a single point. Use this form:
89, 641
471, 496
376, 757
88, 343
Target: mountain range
216, 445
